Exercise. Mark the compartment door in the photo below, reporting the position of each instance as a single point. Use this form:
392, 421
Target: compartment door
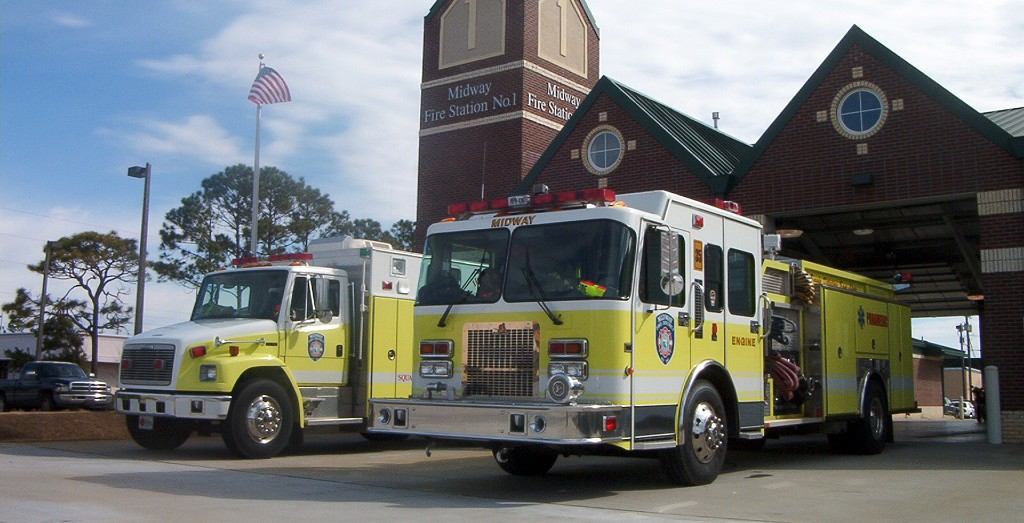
839, 350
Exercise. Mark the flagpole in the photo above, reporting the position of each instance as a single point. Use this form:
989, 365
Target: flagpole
253, 246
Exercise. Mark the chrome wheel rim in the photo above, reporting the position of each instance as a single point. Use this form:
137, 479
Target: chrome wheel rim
707, 433
875, 419
263, 419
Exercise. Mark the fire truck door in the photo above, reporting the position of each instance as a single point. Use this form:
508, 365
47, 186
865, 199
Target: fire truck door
315, 350
661, 349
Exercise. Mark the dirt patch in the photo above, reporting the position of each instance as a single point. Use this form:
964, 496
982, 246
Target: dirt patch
71, 425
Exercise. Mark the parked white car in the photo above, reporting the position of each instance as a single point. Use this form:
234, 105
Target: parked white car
954, 408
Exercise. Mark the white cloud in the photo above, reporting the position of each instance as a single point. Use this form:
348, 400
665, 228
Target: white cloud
70, 20
198, 136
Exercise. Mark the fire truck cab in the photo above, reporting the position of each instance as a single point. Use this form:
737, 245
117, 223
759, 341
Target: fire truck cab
582, 322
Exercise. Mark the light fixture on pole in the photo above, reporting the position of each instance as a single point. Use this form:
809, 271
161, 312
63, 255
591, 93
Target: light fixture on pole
144, 173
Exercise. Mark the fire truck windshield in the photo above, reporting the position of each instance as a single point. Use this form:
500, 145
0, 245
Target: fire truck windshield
463, 267
583, 260
571, 261
243, 294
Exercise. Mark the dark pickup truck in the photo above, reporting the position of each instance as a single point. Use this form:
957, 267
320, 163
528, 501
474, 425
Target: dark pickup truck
51, 385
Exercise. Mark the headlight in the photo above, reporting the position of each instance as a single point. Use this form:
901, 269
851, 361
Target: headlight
436, 369
573, 369
61, 388
207, 373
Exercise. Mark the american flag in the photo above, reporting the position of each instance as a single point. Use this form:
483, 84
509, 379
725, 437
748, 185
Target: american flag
269, 88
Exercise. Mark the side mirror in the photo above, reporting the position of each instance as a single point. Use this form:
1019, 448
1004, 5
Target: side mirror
672, 282
30, 375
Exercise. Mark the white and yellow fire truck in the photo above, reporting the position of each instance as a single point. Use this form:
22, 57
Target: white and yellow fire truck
579, 322
275, 346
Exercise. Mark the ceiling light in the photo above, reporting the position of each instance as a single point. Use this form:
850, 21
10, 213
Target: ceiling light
863, 232
976, 297
790, 233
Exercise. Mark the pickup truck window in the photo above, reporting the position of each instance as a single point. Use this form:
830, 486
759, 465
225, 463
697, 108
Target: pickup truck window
61, 371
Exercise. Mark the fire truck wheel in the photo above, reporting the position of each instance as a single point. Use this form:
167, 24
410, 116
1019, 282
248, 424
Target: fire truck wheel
166, 434
868, 434
525, 461
260, 420
703, 438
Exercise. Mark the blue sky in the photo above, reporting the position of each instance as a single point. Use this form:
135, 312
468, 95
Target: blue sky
88, 89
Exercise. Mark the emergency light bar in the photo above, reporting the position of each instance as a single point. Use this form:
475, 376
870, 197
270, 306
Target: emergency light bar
727, 205
522, 202
294, 258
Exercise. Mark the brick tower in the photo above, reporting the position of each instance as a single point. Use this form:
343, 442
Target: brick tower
500, 79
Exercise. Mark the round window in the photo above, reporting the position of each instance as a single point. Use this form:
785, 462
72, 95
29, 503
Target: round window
859, 110
604, 150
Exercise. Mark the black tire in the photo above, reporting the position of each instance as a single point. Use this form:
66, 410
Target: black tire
869, 434
699, 457
167, 433
46, 402
525, 461
260, 420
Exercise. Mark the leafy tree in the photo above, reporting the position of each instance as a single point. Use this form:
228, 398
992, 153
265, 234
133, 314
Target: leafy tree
62, 340
95, 263
212, 225
19, 357
402, 234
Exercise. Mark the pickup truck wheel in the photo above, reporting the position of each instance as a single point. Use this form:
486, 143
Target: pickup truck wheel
46, 402
703, 439
260, 420
167, 433
525, 461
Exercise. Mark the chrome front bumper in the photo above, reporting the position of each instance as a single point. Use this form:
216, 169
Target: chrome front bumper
523, 423
89, 400
189, 406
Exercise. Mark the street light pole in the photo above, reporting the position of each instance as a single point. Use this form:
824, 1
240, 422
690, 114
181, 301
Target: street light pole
144, 173
42, 302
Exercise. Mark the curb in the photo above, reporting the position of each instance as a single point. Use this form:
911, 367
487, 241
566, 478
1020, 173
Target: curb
72, 425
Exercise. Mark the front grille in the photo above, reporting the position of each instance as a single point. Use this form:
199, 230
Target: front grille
500, 360
147, 364
87, 387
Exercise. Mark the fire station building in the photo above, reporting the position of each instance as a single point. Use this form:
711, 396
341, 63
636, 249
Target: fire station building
872, 167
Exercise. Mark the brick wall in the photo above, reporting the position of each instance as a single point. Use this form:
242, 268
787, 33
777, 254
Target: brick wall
928, 381
495, 145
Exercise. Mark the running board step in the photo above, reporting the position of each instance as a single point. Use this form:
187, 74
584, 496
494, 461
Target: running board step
319, 422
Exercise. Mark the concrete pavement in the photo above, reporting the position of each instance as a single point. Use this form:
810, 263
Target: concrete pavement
936, 471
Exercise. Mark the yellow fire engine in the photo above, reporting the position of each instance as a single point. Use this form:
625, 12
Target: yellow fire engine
275, 346
581, 322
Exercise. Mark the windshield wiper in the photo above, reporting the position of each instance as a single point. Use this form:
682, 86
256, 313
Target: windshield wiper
536, 289
465, 296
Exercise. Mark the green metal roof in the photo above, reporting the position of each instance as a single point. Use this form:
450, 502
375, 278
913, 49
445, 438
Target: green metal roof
707, 152
928, 348
1012, 120
586, 10
857, 37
